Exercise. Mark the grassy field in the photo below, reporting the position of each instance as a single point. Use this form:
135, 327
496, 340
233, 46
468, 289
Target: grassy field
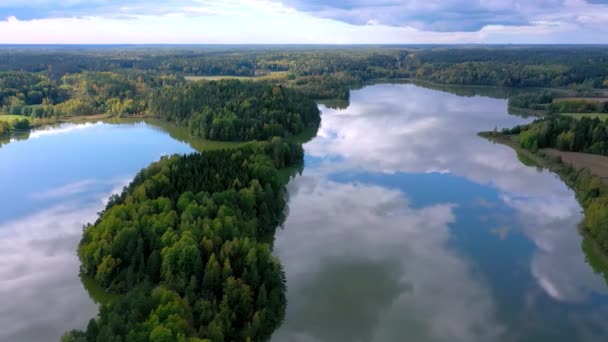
601, 116
272, 76
10, 118
590, 99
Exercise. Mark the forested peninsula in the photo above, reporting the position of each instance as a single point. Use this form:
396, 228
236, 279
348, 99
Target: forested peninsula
188, 242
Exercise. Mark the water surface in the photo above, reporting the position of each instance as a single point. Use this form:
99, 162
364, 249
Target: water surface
53, 183
405, 225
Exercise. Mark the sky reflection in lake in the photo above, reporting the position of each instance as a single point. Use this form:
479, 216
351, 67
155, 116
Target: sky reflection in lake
406, 223
52, 184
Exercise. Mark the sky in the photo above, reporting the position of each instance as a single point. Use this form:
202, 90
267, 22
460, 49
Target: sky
304, 22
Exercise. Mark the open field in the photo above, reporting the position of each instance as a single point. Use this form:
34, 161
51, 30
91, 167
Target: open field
598, 165
589, 99
274, 75
601, 116
9, 118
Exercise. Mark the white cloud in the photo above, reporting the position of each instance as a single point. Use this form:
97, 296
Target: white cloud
457, 15
403, 128
39, 268
386, 272
247, 22
66, 190
42, 295
63, 129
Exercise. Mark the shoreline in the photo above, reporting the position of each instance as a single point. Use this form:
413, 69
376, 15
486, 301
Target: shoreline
563, 170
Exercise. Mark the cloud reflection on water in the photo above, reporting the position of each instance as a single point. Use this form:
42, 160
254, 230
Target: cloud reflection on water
430, 291
45, 282
359, 257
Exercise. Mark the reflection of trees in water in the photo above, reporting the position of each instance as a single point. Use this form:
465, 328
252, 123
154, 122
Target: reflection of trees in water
594, 257
334, 103
8, 138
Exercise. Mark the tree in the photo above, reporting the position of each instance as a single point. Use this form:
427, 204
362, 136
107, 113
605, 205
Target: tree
212, 277
21, 124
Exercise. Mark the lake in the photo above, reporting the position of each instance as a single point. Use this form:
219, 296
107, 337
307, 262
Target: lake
404, 224
52, 184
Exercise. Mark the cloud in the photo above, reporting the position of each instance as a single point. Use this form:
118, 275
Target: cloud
406, 129
66, 190
409, 129
379, 275
39, 273
422, 15
449, 16
273, 22
63, 129
39, 9
43, 9
550, 220
39, 268
80, 188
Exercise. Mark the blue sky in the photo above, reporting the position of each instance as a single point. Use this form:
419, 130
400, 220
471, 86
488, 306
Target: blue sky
304, 21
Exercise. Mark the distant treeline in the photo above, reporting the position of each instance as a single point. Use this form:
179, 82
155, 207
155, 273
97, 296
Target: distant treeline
317, 72
184, 243
552, 102
38, 96
514, 66
234, 110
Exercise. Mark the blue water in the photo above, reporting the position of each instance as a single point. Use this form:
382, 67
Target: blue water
407, 226
51, 185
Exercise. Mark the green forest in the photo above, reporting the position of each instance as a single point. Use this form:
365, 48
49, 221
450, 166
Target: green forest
120, 81
234, 110
187, 243
564, 133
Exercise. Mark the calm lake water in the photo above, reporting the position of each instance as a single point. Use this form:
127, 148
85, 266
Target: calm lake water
404, 225
52, 184
407, 226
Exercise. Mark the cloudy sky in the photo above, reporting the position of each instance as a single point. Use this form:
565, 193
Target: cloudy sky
304, 21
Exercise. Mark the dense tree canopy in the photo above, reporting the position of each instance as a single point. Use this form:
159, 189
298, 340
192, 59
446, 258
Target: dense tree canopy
18, 89
235, 110
184, 241
550, 66
86, 93
581, 105
119, 80
592, 192
565, 133
536, 101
